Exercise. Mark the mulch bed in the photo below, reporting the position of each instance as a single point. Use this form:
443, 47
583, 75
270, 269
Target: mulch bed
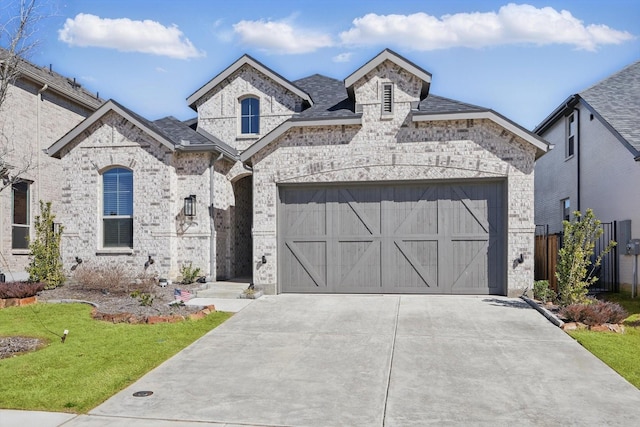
112, 308
119, 303
13, 346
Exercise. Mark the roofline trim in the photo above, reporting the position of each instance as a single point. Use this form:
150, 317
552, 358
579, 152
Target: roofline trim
560, 110
567, 106
56, 88
108, 106
246, 60
390, 55
290, 124
541, 145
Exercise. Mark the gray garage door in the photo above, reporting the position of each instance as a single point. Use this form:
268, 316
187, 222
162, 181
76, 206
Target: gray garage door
445, 238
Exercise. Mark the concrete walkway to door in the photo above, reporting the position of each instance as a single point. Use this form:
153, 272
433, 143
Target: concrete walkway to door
312, 360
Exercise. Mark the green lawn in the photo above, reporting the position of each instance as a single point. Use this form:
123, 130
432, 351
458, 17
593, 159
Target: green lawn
97, 360
620, 351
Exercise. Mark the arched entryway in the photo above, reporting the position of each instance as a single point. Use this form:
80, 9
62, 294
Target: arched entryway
241, 223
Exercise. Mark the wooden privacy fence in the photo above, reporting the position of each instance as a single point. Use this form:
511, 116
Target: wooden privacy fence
546, 257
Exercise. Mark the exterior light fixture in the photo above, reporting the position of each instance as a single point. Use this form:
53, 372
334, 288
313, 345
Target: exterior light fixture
190, 206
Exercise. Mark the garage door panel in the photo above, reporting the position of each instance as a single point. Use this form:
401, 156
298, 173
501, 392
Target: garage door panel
306, 265
470, 264
394, 238
359, 266
412, 211
414, 266
306, 212
359, 211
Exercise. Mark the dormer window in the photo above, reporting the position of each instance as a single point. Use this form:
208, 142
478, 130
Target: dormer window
387, 99
250, 116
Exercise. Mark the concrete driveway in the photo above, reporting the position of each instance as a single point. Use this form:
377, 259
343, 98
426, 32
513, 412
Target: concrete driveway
310, 360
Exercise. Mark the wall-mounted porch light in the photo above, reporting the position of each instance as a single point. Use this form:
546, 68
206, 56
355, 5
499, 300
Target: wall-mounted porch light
190, 206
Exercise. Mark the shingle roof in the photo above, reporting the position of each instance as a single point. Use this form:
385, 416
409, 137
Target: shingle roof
433, 104
178, 131
617, 100
64, 85
329, 98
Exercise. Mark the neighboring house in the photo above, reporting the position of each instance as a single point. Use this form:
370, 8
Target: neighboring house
594, 163
367, 185
40, 107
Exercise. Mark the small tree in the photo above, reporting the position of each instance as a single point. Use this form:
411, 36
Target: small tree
46, 265
575, 267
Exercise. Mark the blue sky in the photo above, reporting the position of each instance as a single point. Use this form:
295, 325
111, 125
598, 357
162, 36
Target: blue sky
521, 59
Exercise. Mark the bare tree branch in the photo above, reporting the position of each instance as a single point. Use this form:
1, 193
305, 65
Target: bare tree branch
18, 24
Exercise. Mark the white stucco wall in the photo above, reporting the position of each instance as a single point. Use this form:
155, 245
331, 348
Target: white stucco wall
608, 179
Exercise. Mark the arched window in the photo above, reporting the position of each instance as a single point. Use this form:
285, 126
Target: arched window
117, 208
250, 116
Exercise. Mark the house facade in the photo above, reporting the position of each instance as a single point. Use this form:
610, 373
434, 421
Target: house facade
594, 163
39, 108
367, 185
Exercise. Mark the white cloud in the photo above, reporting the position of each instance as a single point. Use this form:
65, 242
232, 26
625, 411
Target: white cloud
513, 24
280, 37
342, 57
127, 35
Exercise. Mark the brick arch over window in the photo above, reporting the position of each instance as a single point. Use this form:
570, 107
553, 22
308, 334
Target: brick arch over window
117, 208
249, 115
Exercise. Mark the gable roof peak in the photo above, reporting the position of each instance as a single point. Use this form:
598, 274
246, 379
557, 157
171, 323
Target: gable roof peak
389, 55
246, 59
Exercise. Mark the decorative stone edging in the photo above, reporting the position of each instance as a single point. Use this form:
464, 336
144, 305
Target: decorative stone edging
150, 320
17, 302
133, 319
546, 313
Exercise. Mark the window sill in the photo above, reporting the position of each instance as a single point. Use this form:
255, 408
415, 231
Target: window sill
20, 252
115, 251
569, 157
249, 137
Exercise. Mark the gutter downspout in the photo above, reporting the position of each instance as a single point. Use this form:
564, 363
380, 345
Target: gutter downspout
212, 224
576, 111
38, 138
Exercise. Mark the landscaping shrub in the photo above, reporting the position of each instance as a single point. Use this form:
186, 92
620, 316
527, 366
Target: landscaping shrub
20, 289
116, 279
542, 291
46, 264
189, 274
595, 314
576, 262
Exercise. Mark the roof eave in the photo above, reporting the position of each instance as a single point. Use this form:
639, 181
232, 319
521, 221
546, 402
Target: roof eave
64, 92
559, 112
55, 149
540, 144
390, 55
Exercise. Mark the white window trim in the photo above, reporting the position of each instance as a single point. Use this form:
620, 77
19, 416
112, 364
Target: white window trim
570, 119
241, 135
101, 248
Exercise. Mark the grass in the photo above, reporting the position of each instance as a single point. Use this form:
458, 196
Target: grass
97, 360
619, 351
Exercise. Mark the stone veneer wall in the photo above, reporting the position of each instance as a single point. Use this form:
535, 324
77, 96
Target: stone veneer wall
219, 110
26, 137
162, 179
396, 149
